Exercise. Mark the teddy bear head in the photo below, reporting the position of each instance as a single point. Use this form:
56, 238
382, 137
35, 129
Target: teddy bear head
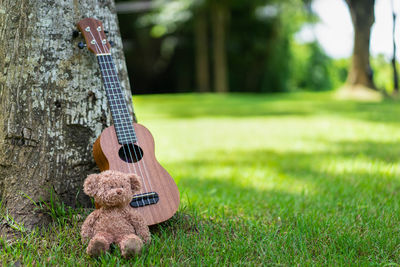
112, 188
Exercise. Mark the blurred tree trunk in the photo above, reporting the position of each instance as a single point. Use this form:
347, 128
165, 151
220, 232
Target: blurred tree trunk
395, 75
52, 105
202, 65
362, 14
219, 14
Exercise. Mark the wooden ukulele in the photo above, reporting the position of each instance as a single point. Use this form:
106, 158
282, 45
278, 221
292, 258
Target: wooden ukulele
127, 146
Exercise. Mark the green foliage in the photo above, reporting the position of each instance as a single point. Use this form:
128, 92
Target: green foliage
168, 16
383, 73
261, 53
262, 62
259, 63
283, 179
313, 70
339, 71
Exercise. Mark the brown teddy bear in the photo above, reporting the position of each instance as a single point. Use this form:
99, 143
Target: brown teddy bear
115, 221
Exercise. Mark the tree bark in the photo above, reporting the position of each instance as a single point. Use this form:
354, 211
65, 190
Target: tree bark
362, 14
202, 64
52, 102
219, 22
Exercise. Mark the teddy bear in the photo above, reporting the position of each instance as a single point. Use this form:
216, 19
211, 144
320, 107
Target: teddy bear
115, 221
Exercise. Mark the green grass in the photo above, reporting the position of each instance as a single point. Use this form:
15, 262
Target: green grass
277, 179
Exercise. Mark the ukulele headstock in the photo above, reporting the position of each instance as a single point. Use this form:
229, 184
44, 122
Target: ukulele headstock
93, 32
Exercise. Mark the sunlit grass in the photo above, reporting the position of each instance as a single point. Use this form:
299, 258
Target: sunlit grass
264, 179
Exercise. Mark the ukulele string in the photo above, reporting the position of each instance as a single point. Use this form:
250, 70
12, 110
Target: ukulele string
130, 158
107, 78
139, 160
99, 51
115, 82
106, 49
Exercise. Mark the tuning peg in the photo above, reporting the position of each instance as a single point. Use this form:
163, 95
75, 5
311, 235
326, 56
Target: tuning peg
81, 45
112, 43
75, 34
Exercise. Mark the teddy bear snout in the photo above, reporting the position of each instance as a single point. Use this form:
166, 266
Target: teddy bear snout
119, 191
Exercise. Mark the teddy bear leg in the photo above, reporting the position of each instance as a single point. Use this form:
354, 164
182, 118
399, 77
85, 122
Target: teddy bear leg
130, 245
98, 244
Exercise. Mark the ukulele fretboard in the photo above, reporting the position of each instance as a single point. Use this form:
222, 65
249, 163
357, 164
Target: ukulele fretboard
122, 119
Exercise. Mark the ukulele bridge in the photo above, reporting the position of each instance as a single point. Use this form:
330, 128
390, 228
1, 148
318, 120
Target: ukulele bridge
144, 199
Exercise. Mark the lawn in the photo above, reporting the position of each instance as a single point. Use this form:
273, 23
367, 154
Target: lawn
278, 179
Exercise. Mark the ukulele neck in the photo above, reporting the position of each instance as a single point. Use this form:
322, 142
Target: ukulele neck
122, 119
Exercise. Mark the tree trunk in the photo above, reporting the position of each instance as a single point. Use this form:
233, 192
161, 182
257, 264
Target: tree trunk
202, 65
395, 75
52, 102
219, 21
362, 14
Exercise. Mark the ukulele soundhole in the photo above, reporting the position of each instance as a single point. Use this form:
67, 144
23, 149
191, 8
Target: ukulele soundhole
130, 153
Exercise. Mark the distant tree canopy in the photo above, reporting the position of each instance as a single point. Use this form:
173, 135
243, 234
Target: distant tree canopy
224, 45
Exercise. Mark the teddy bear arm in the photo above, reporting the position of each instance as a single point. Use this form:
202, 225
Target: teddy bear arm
143, 231
141, 228
87, 231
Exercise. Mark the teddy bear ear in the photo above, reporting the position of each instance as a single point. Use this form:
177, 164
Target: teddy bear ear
90, 185
135, 182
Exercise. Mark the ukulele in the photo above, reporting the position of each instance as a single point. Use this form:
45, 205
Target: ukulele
127, 146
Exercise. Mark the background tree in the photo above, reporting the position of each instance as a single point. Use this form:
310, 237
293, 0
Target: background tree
362, 15
202, 54
180, 46
220, 15
395, 75
52, 106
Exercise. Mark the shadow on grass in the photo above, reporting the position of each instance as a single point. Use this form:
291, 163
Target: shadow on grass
351, 187
388, 152
386, 111
348, 215
230, 105
255, 105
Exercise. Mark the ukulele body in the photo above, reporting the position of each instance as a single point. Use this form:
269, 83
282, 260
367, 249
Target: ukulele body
110, 155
